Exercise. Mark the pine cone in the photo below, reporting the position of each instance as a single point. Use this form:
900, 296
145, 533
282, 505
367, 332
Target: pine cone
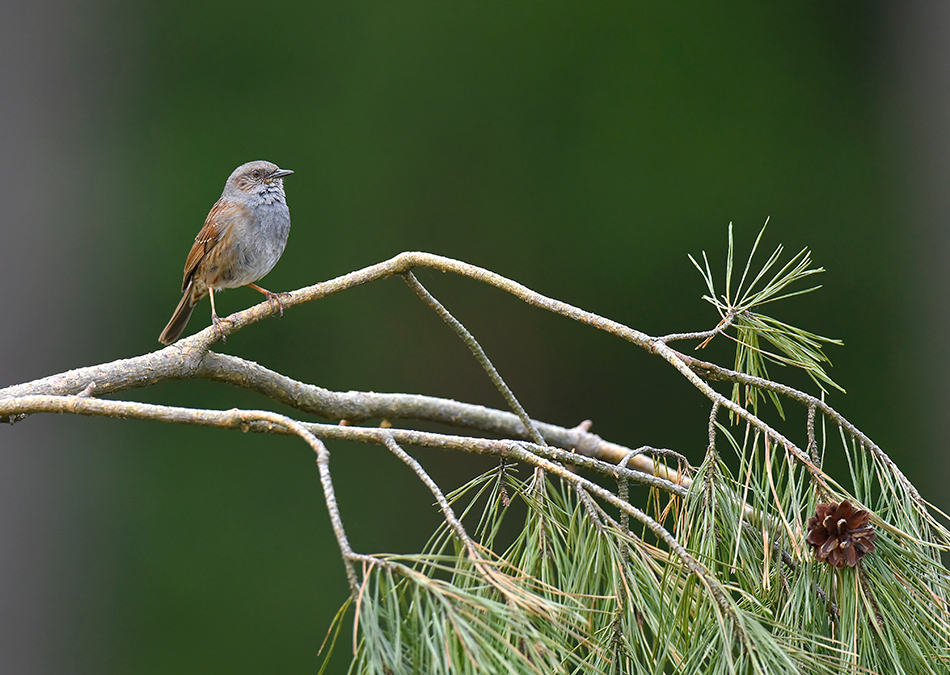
840, 535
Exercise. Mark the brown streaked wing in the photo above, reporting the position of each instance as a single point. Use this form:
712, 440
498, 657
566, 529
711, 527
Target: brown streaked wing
219, 219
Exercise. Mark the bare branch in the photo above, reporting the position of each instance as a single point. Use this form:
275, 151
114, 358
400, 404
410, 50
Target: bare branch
440, 499
82, 405
478, 352
704, 335
352, 406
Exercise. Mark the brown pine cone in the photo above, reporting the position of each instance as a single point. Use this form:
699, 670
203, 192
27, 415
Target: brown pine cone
839, 534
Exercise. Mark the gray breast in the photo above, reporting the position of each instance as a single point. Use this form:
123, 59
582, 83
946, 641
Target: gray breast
261, 244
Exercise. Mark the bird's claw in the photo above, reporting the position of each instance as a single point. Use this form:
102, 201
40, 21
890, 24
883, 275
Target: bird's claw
219, 326
275, 297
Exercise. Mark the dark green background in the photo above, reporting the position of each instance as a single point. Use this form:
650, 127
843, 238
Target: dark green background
582, 149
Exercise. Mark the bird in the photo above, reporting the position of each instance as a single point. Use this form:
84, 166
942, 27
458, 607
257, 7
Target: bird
242, 239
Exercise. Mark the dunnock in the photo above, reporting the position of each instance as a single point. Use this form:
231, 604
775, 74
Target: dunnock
241, 241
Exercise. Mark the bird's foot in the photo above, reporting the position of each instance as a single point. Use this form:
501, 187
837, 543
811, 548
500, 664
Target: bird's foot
272, 298
219, 326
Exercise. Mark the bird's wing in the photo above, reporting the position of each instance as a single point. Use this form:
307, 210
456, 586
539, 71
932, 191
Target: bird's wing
216, 224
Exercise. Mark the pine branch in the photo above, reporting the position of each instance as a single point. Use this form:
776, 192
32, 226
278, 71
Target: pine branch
711, 573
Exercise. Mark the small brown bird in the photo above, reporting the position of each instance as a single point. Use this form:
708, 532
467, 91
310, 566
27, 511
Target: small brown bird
242, 239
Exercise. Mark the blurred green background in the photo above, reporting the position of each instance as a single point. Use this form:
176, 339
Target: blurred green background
582, 149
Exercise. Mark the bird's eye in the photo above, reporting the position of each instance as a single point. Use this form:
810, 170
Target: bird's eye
256, 173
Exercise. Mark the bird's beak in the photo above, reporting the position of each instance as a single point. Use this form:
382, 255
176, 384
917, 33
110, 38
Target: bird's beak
280, 173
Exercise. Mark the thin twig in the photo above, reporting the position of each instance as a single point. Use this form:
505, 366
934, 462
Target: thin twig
704, 335
711, 430
590, 507
478, 352
624, 493
711, 371
676, 359
447, 511
661, 452
712, 462
812, 441
326, 480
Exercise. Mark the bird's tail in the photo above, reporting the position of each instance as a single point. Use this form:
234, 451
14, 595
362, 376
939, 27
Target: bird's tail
180, 318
